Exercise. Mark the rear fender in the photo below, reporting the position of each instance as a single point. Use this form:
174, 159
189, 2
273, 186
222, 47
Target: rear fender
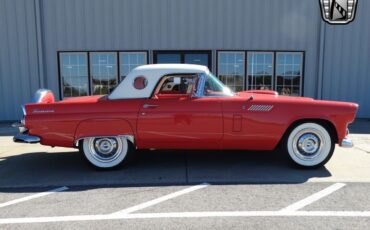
104, 127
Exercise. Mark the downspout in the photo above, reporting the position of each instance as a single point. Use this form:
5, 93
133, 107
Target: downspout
40, 57
321, 60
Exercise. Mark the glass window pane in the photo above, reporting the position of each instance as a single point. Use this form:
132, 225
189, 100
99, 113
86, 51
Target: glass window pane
103, 72
281, 58
296, 70
231, 65
177, 85
222, 58
298, 59
74, 77
260, 58
289, 73
289, 59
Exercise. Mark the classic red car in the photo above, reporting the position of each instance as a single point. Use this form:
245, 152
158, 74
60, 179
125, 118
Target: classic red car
179, 106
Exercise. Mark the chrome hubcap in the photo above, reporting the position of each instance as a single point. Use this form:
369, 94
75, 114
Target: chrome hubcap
105, 146
308, 144
105, 149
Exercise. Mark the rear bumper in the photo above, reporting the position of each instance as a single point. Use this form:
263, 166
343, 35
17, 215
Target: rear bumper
25, 138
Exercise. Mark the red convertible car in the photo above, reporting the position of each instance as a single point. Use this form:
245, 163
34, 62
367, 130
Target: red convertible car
180, 106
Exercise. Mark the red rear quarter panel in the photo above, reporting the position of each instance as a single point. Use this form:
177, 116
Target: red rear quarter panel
62, 123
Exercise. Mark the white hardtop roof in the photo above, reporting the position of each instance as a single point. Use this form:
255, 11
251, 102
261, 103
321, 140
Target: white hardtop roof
152, 73
173, 67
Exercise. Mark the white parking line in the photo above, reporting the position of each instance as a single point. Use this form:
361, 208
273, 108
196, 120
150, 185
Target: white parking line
246, 214
34, 196
314, 197
160, 199
185, 215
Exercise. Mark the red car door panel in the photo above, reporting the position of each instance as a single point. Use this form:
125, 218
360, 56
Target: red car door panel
170, 122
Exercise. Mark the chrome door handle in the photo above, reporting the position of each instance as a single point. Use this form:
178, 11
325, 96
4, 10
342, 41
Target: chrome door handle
149, 106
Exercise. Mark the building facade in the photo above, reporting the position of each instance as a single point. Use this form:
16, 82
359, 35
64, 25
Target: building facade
85, 47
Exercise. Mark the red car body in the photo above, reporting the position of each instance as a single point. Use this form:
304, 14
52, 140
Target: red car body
251, 120
182, 122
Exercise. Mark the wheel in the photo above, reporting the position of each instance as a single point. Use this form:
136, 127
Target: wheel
309, 145
106, 152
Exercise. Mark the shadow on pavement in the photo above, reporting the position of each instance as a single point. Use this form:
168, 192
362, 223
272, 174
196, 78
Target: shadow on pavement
30, 171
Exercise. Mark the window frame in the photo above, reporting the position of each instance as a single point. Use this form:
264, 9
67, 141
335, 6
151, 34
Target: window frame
91, 67
302, 52
253, 76
60, 78
301, 70
87, 52
244, 62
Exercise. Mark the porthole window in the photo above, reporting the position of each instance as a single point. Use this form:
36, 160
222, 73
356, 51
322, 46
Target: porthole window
140, 82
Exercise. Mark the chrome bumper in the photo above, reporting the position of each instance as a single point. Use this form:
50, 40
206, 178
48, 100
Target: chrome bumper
25, 138
347, 143
20, 126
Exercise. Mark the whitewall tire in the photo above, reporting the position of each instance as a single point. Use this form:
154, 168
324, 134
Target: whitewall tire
309, 145
105, 152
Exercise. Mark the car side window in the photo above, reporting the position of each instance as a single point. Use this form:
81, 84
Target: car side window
177, 84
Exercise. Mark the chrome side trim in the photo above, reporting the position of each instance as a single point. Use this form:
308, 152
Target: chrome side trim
265, 108
347, 143
131, 138
25, 138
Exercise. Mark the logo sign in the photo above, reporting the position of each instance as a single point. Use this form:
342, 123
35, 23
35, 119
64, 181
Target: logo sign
338, 11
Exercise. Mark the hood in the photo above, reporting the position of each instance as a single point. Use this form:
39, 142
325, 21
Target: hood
271, 94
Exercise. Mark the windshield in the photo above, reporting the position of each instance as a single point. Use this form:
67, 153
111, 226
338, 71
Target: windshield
214, 87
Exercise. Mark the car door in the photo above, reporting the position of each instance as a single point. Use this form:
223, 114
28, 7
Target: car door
173, 119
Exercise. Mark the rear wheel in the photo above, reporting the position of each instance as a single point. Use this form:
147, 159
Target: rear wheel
106, 152
309, 145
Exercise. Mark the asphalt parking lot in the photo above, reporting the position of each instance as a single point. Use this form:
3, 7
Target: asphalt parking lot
43, 187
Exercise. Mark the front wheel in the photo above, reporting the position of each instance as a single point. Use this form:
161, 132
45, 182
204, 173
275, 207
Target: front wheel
106, 152
310, 145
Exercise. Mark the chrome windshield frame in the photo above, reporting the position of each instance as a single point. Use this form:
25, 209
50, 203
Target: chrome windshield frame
200, 87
